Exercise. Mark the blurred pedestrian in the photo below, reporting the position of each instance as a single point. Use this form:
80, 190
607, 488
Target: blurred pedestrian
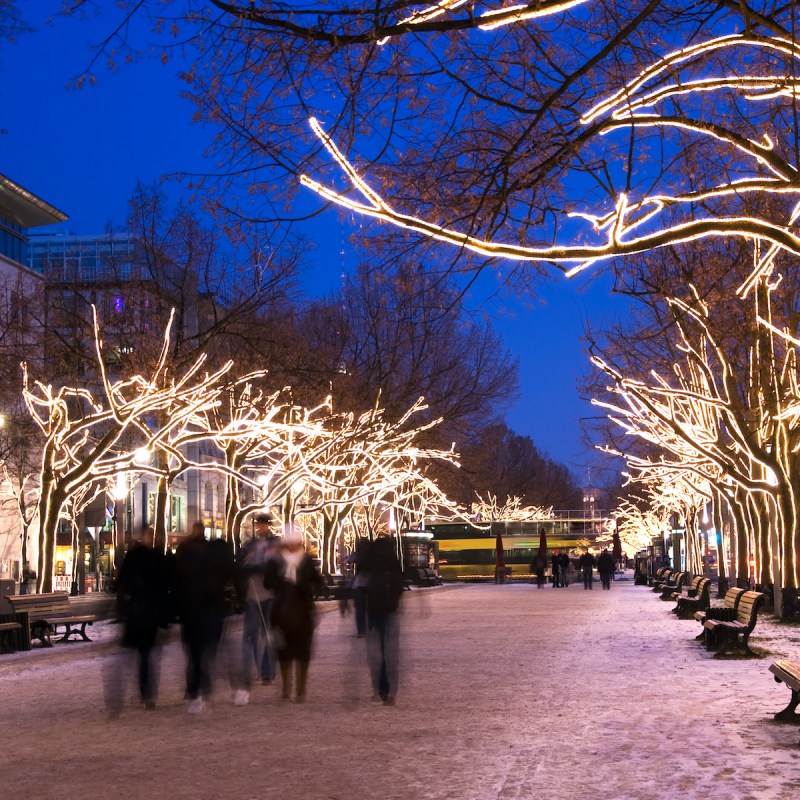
142, 607
587, 563
294, 579
384, 590
359, 586
539, 567
566, 565
204, 571
555, 566
256, 599
606, 566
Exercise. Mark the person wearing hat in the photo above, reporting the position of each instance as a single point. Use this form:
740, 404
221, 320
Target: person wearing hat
294, 579
257, 601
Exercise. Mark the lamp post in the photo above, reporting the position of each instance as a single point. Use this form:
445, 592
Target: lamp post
120, 495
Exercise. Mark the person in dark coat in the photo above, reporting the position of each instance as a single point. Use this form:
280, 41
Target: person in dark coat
605, 566
587, 563
294, 579
204, 572
538, 568
384, 590
564, 563
142, 607
555, 565
360, 586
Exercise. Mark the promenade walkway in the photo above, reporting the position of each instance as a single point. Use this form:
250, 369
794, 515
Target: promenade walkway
508, 692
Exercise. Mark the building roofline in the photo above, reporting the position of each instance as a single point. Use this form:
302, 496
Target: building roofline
25, 208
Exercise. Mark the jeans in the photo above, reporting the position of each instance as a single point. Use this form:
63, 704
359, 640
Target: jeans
605, 577
587, 579
256, 647
383, 649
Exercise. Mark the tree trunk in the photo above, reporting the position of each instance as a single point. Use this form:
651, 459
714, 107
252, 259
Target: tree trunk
233, 516
51, 500
161, 513
719, 532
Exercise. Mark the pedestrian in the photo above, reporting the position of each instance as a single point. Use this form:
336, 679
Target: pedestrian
605, 566
257, 600
587, 563
384, 590
359, 585
294, 579
555, 566
142, 608
204, 570
565, 564
538, 568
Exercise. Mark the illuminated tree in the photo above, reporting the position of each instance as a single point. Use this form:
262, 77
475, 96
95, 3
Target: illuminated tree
89, 436
489, 509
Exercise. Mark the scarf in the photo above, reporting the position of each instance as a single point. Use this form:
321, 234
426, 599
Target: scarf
291, 561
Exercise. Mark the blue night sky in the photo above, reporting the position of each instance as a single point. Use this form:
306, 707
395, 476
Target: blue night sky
83, 151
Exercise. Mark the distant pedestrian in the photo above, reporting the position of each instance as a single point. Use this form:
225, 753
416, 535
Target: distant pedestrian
565, 564
555, 566
384, 590
606, 566
204, 570
538, 568
257, 600
142, 608
587, 563
295, 580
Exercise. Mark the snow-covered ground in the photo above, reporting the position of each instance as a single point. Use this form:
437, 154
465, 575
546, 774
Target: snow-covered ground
507, 692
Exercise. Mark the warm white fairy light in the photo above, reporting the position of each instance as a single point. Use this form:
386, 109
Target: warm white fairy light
623, 229
489, 508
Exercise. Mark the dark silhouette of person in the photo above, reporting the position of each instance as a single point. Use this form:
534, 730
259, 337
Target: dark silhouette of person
384, 590
360, 586
538, 568
294, 579
606, 566
564, 563
587, 563
555, 565
142, 606
204, 570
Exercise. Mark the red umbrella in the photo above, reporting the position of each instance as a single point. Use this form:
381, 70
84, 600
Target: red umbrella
500, 562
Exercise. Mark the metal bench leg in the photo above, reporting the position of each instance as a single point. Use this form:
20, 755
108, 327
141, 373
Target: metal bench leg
746, 646
788, 714
722, 646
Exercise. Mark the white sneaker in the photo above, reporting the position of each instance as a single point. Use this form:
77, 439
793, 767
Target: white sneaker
197, 706
241, 697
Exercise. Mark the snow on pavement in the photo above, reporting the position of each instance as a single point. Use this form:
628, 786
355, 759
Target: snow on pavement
506, 692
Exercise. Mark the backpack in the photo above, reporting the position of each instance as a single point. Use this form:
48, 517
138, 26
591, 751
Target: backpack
384, 589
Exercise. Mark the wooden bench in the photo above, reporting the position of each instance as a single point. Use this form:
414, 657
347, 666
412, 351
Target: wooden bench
47, 613
6, 631
721, 633
422, 576
789, 673
697, 597
660, 579
657, 576
668, 589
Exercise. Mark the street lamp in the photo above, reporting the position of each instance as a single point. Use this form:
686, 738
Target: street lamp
120, 494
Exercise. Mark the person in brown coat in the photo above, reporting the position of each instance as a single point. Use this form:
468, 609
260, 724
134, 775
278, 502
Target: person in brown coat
294, 579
